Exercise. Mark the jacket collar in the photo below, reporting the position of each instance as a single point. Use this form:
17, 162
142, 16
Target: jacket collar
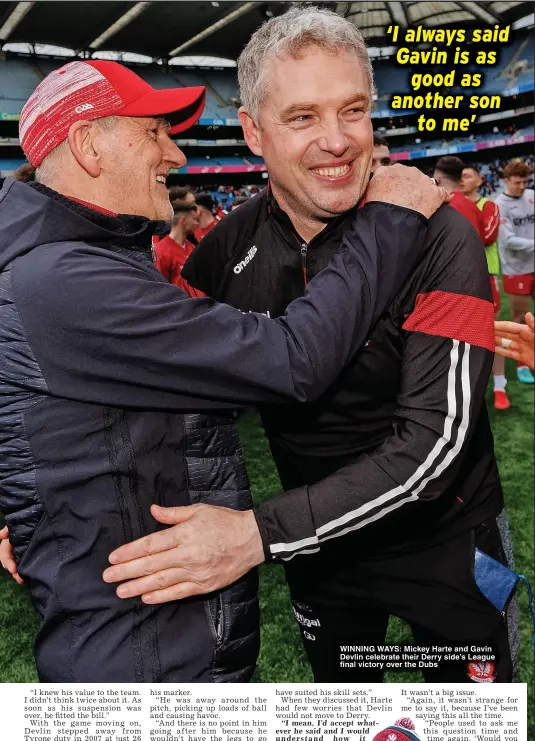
333, 227
123, 229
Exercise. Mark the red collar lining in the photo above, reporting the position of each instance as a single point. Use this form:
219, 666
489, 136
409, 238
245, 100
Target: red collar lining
101, 210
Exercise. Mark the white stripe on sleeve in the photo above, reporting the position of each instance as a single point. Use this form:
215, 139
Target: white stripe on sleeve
427, 471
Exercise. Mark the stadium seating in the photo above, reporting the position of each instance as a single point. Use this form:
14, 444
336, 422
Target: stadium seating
7, 166
18, 80
435, 147
437, 143
514, 68
390, 79
20, 77
224, 83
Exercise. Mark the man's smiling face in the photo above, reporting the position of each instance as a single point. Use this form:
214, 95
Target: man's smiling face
315, 131
139, 155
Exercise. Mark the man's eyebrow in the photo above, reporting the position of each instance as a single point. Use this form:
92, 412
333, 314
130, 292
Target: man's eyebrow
165, 124
299, 107
160, 121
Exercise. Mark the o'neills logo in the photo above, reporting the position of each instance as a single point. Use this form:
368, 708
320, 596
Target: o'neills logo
247, 259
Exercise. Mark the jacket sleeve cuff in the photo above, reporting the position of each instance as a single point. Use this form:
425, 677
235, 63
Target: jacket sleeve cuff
264, 534
370, 205
286, 525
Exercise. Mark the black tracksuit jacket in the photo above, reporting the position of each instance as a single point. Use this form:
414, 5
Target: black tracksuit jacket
398, 452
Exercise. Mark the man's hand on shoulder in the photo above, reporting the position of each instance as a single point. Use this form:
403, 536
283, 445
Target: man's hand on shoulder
407, 187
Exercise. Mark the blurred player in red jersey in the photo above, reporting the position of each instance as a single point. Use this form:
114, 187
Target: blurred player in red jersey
207, 220
448, 174
471, 181
173, 250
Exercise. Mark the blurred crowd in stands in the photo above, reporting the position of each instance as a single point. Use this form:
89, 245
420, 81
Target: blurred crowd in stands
216, 199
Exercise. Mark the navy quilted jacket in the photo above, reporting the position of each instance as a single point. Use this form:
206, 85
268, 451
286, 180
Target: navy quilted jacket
114, 394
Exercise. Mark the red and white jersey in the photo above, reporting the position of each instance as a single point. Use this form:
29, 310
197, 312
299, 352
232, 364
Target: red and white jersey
516, 233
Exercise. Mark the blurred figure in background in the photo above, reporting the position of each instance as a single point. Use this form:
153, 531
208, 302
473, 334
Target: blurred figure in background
181, 193
381, 152
471, 182
448, 173
220, 209
239, 201
516, 245
205, 209
25, 173
173, 250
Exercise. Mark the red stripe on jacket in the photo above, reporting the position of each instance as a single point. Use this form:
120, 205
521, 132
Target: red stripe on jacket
190, 290
464, 318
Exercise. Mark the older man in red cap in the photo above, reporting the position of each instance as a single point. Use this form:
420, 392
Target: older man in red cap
105, 366
57, 120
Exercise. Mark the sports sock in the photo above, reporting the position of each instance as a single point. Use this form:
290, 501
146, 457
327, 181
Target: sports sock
500, 382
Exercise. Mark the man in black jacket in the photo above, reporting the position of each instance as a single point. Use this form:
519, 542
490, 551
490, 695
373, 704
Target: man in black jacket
106, 370
390, 477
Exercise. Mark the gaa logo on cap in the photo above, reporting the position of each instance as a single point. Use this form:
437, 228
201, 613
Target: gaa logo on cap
84, 107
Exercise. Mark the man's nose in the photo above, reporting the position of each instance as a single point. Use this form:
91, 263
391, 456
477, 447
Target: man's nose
173, 154
334, 139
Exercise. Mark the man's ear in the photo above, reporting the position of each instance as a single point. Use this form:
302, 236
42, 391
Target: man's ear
84, 147
251, 132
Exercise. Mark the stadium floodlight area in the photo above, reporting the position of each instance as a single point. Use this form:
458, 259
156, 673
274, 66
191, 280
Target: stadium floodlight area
21, 9
44, 50
119, 24
527, 22
126, 57
480, 12
217, 26
202, 61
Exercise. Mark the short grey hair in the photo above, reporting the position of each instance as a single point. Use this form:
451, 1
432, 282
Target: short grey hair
290, 34
52, 166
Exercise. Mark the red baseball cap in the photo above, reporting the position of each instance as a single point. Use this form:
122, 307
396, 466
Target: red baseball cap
85, 90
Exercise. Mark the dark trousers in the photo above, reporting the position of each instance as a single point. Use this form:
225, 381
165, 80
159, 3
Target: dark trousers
343, 600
